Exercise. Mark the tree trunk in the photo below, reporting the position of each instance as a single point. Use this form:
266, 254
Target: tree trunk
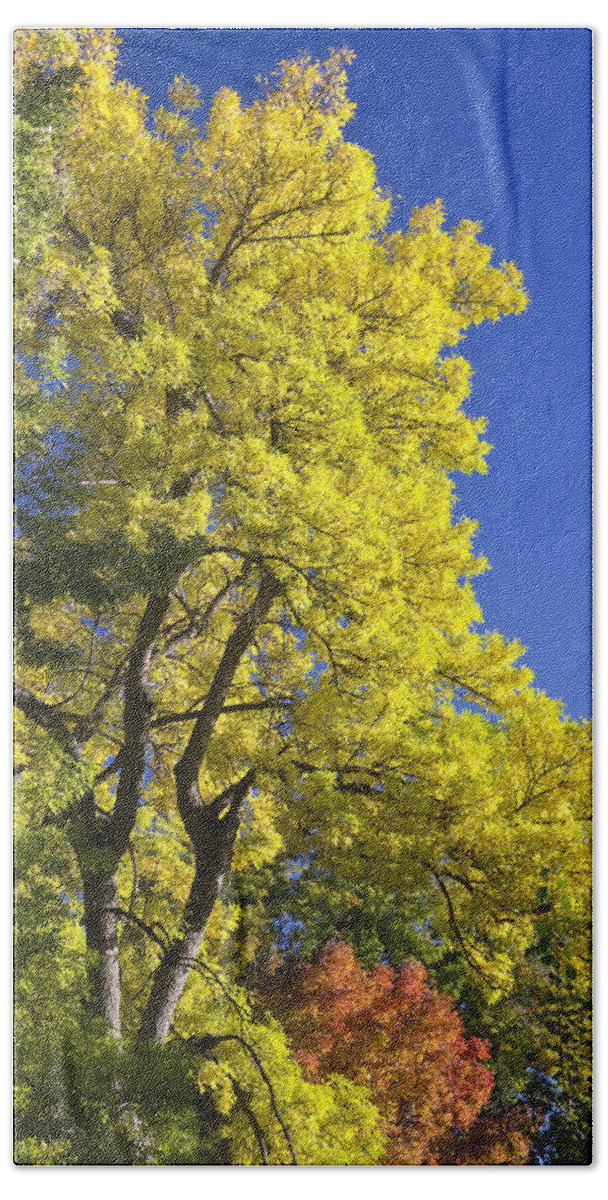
169, 981
173, 971
101, 924
213, 829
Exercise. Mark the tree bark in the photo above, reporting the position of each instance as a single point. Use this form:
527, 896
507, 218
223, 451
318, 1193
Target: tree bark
101, 923
213, 838
136, 724
110, 839
169, 980
212, 828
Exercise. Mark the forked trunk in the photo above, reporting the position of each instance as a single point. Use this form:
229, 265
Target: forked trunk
212, 828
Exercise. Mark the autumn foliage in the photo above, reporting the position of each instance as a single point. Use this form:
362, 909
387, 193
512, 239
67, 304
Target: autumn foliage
402, 1039
248, 638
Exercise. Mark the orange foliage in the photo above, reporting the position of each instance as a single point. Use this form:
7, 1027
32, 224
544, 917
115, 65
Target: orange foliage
491, 1141
394, 1033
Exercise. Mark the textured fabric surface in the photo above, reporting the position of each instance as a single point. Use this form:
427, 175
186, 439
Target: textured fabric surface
303, 596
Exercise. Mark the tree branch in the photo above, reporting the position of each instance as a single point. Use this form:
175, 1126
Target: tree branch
46, 716
234, 1037
199, 622
246, 706
136, 722
211, 405
207, 1044
147, 929
187, 769
212, 829
242, 1100
84, 726
456, 930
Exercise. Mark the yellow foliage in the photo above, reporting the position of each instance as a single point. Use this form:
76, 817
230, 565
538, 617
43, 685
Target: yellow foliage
253, 379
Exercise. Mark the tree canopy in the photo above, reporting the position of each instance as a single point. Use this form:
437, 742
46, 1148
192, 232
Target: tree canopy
249, 646
406, 1043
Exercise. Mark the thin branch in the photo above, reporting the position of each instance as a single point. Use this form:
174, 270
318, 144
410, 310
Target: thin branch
242, 1100
203, 968
136, 721
147, 929
297, 237
199, 622
254, 705
234, 1037
456, 930
86, 670
250, 706
189, 764
110, 768
211, 405
135, 886
466, 883
211, 1040
132, 213
84, 724
467, 687
46, 715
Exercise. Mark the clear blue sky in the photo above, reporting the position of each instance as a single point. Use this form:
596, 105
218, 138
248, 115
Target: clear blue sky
497, 123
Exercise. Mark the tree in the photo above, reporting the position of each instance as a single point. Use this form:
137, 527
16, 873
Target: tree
538, 1027
406, 1043
245, 618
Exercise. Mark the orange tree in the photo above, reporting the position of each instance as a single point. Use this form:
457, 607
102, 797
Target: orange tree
402, 1039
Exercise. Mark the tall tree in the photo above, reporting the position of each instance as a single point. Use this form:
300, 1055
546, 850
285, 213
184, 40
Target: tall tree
245, 614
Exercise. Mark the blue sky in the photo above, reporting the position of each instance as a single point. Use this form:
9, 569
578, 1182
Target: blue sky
496, 122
